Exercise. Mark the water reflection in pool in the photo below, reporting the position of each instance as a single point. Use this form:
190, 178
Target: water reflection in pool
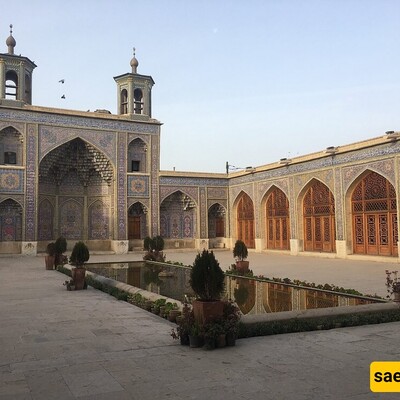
253, 296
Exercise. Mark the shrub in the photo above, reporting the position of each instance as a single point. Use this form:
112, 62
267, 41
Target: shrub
207, 277
80, 254
240, 250
51, 249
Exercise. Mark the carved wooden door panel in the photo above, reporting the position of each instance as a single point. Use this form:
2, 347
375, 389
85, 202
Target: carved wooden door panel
134, 227
319, 219
375, 230
277, 216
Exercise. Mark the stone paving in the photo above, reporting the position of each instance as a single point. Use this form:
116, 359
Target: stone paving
56, 344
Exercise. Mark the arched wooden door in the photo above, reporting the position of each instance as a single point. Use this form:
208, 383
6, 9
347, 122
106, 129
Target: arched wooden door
319, 218
136, 222
373, 205
277, 220
245, 221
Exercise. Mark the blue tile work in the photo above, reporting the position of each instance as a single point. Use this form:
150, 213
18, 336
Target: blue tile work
138, 186
11, 180
190, 181
338, 206
20, 127
31, 189
203, 213
321, 163
52, 137
155, 166
383, 167
77, 121
192, 192
121, 187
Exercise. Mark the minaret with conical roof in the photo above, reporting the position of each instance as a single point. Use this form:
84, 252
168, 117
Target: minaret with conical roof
134, 92
15, 76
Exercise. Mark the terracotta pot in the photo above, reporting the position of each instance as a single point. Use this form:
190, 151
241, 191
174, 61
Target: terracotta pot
78, 276
242, 266
207, 311
221, 341
396, 297
49, 262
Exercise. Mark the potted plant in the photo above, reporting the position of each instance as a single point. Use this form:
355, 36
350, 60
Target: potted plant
195, 336
185, 323
231, 321
50, 256
80, 254
154, 249
60, 249
240, 253
207, 281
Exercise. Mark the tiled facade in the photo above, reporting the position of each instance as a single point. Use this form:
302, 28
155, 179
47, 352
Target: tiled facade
114, 194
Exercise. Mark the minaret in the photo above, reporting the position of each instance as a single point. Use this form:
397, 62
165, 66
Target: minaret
15, 76
134, 92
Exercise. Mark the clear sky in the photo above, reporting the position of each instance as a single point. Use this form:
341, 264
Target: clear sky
247, 82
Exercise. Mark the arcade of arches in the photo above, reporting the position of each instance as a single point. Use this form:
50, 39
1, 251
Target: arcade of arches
374, 228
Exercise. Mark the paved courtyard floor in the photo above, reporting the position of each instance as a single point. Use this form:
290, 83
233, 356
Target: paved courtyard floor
56, 344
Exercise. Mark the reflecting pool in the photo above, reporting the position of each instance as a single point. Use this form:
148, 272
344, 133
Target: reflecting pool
253, 295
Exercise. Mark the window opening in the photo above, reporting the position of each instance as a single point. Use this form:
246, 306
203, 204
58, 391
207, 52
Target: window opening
138, 101
10, 157
135, 166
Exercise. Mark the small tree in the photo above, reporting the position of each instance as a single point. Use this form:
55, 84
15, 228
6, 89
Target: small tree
80, 254
51, 249
207, 277
60, 248
240, 250
154, 247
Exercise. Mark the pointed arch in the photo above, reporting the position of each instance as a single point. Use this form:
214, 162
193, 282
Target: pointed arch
11, 146
71, 219
277, 219
137, 221
216, 221
78, 155
10, 221
245, 229
178, 216
318, 207
99, 221
46, 218
374, 215
137, 156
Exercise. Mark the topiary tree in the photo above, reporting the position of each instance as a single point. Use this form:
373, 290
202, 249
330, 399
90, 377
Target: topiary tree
207, 277
154, 247
60, 248
80, 254
240, 250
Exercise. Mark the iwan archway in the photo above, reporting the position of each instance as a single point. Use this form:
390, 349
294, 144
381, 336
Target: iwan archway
374, 216
76, 195
178, 220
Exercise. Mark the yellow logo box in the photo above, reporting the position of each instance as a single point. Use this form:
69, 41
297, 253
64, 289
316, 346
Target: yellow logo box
384, 376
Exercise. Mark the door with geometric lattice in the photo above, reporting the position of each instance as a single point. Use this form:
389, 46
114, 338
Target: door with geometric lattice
375, 230
319, 218
277, 218
245, 221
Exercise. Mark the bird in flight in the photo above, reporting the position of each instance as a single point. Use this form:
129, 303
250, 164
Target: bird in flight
61, 81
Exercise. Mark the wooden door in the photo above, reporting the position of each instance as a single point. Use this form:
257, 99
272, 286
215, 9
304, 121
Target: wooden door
319, 219
375, 230
134, 227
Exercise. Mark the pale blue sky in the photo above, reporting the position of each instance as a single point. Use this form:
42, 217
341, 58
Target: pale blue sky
247, 82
